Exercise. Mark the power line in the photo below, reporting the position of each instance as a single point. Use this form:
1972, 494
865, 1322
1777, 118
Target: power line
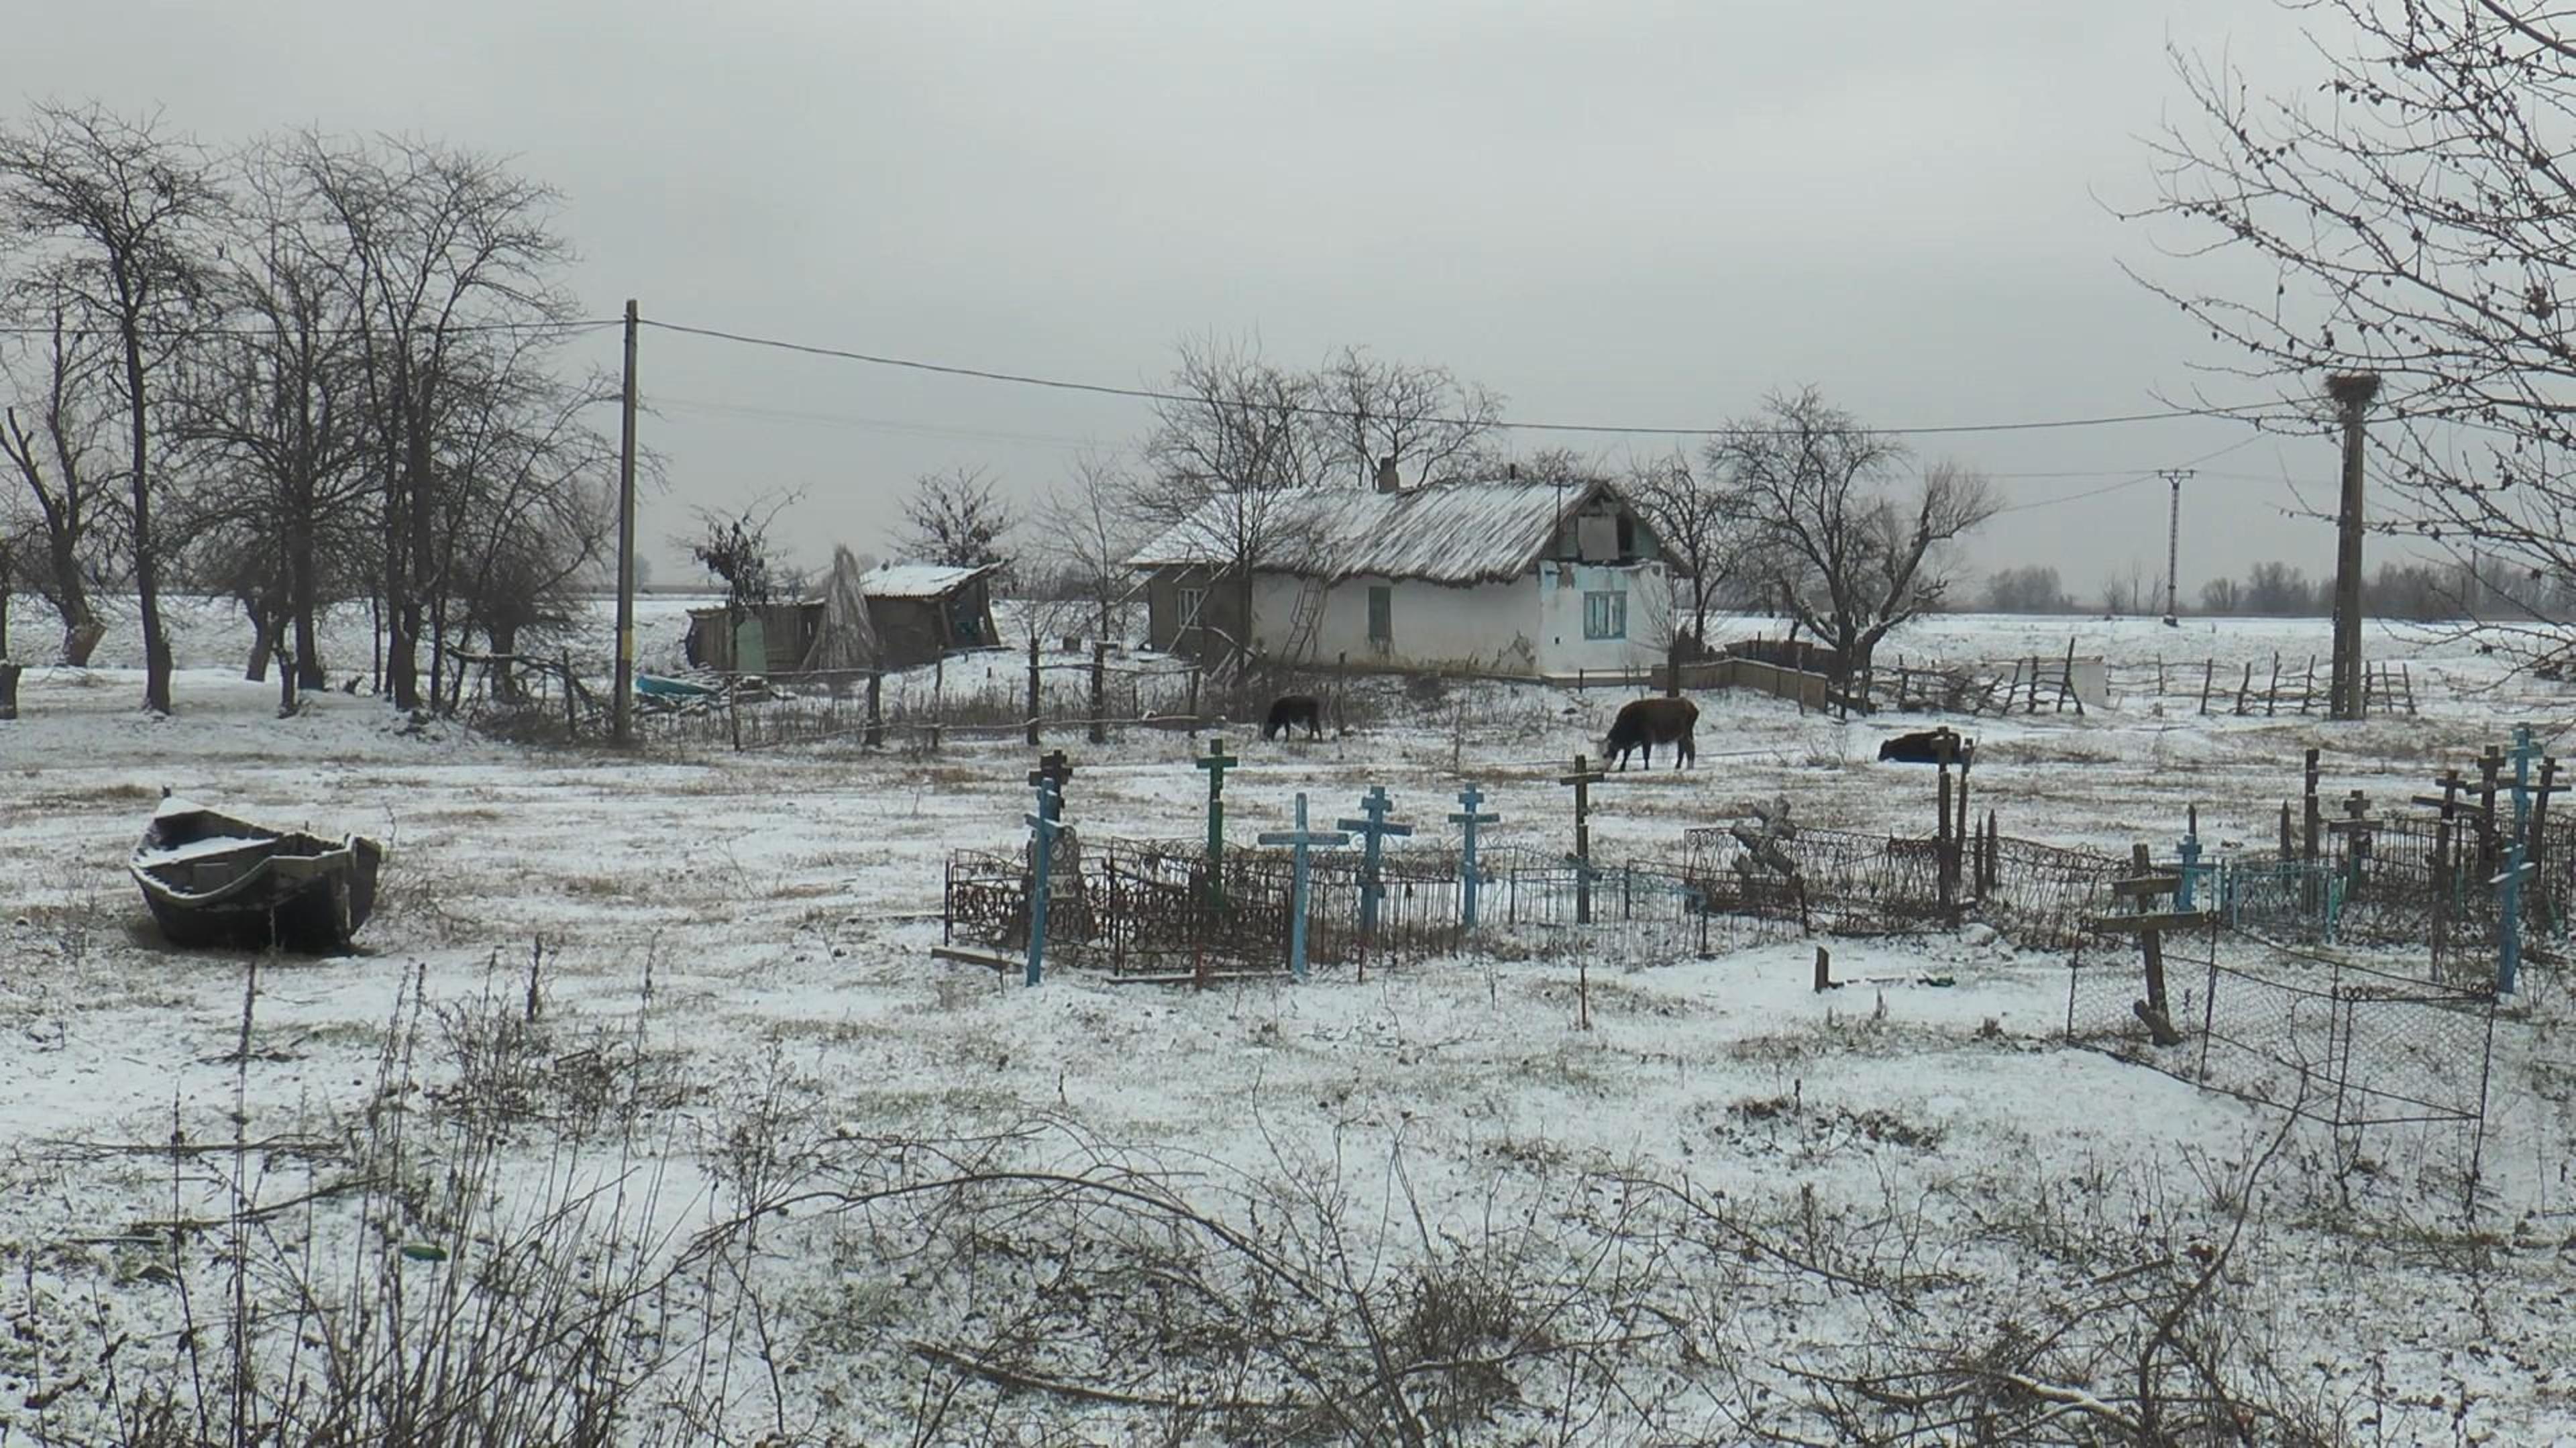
1145, 394
567, 327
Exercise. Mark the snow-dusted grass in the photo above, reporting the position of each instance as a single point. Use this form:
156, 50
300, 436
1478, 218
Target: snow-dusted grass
1293, 1208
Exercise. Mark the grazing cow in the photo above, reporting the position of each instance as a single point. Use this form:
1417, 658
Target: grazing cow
1926, 746
1645, 723
1290, 710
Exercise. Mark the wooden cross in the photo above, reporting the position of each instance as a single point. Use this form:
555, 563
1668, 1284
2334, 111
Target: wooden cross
1583, 778
1467, 820
2141, 884
1216, 762
1372, 827
1299, 841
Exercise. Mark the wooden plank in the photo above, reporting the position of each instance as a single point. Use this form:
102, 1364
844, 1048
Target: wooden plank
2147, 885
2165, 920
1189, 978
960, 955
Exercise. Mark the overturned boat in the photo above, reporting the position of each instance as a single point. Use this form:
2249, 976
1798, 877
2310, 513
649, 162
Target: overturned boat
212, 879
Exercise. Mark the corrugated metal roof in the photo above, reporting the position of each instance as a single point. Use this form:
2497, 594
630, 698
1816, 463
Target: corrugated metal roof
1444, 533
918, 580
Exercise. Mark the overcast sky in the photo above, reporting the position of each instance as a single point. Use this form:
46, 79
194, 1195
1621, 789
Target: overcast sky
1626, 213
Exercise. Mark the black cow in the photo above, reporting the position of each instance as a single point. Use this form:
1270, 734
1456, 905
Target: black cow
1290, 710
1926, 746
1645, 723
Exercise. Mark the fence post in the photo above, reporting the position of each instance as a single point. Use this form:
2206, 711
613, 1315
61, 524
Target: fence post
9, 690
1033, 687
1099, 691
2272, 692
875, 737
2245, 687
2208, 670
1195, 720
572, 722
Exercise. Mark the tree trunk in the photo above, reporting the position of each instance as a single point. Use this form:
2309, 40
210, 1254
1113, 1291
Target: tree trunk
263, 635
505, 680
81, 630
301, 604
147, 572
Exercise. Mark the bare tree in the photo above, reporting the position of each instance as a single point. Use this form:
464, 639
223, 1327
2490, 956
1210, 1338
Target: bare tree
1432, 425
1691, 517
1088, 531
2222, 596
443, 255
959, 518
53, 443
116, 217
1846, 556
2415, 221
2033, 588
1229, 448
735, 550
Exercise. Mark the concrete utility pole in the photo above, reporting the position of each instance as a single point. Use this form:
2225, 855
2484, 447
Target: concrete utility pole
621, 708
2173, 543
2351, 392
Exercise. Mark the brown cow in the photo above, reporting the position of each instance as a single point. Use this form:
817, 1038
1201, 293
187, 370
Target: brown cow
1645, 723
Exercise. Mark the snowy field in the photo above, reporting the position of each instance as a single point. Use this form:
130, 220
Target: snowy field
501, 1166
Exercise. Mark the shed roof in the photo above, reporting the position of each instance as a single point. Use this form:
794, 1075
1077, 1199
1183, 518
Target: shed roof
1443, 533
918, 580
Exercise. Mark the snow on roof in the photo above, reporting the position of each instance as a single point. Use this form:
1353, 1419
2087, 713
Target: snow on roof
918, 580
1443, 533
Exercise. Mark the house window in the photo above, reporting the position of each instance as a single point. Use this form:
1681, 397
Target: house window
1192, 601
1381, 618
1605, 615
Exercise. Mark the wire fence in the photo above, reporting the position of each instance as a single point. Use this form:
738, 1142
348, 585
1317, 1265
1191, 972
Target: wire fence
2318, 1034
1135, 907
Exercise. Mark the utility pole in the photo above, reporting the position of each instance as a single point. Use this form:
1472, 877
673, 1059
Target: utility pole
621, 707
2173, 544
2351, 392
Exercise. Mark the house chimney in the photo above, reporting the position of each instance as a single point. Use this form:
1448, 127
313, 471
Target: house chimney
1388, 479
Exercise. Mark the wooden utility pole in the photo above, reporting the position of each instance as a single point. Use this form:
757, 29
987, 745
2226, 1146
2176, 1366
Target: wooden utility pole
621, 706
2351, 392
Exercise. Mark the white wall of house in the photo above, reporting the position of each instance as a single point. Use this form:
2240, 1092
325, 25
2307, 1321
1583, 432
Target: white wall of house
1571, 611
1537, 623
1486, 626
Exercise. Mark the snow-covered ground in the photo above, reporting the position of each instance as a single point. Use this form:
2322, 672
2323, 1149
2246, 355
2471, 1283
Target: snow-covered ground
1726, 1181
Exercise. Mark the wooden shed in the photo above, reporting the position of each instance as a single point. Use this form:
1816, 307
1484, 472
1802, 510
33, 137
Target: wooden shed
923, 610
916, 613
775, 637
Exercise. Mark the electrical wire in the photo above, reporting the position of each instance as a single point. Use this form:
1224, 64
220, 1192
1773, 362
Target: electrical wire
568, 327
1145, 394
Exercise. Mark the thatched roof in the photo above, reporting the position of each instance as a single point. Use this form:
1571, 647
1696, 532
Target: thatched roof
1483, 532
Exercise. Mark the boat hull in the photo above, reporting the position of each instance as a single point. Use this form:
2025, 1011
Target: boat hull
212, 880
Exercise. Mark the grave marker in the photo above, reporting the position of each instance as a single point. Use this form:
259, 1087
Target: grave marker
1299, 841
1043, 827
1216, 762
1373, 827
1583, 778
1467, 820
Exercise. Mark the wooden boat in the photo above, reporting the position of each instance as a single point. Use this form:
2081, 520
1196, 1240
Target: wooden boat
212, 879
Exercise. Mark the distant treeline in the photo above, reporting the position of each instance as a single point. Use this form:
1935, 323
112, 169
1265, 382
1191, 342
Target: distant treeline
2403, 590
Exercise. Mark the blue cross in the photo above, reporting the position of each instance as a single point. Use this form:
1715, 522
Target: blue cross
1300, 840
1044, 826
1466, 821
2189, 853
1372, 829
2509, 925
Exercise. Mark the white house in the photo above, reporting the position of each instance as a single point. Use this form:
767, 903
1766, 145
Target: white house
1501, 576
